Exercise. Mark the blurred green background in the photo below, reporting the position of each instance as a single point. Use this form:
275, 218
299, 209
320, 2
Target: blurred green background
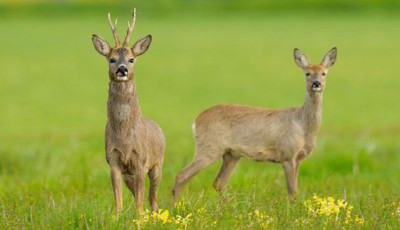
53, 92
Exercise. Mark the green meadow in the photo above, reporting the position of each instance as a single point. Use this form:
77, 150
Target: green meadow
53, 92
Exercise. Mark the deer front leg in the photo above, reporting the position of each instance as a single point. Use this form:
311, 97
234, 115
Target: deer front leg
291, 172
117, 187
139, 189
296, 176
155, 177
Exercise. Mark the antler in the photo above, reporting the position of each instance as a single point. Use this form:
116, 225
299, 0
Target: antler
130, 28
114, 30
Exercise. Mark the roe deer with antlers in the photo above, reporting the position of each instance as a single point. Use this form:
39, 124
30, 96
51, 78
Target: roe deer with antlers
284, 136
134, 144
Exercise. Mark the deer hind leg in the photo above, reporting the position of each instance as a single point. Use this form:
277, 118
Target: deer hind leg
228, 165
155, 175
200, 162
291, 169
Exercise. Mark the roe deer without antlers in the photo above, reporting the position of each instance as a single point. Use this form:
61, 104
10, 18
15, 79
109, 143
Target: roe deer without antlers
134, 144
284, 136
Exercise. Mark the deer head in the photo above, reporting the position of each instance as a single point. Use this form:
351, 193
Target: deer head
315, 73
121, 58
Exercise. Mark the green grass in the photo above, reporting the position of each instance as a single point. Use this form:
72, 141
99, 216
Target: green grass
53, 92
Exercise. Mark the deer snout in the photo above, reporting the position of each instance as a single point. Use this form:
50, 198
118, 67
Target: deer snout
316, 86
122, 70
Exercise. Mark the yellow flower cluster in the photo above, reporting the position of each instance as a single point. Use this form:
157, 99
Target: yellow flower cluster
163, 217
202, 210
396, 212
329, 210
262, 219
258, 218
348, 215
358, 220
181, 206
324, 206
325, 211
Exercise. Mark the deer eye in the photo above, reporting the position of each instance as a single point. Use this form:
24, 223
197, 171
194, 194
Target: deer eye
323, 74
307, 74
112, 60
131, 60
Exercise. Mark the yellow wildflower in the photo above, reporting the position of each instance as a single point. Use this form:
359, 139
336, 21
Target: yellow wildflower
359, 220
341, 203
201, 210
181, 206
161, 216
143, 220
348, 219
182, 222
259, 218
328, 210
397, 211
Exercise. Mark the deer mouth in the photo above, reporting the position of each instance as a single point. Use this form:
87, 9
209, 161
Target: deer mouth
316, 88
123, 78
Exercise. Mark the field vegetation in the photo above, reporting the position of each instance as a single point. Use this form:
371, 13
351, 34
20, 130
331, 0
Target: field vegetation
53, 92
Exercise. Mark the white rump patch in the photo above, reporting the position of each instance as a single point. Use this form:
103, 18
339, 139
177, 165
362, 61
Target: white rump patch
194, 128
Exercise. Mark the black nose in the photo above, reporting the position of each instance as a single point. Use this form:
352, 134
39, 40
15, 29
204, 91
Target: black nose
316, 84
122, 69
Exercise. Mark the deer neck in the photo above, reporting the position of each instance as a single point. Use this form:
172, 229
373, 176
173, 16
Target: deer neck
123, 108
311, 114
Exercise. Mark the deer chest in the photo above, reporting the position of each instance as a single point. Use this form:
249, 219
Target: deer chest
122, 112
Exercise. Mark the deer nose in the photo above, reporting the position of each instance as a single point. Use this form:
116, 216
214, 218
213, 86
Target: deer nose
122, 69
316, 84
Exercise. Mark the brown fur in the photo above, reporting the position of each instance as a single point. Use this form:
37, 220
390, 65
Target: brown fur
134, 144
284, 136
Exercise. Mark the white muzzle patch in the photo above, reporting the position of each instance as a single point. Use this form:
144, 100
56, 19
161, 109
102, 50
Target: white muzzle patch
122, 78
317, 89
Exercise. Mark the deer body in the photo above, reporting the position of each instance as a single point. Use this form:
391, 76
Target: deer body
134, 144
284, 136
129, 134
256, 133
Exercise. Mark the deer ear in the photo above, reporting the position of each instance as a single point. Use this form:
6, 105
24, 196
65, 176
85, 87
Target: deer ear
300, 59
142, 45
330, 58
101, 45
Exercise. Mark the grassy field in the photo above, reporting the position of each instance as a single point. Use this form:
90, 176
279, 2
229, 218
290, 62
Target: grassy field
53, 93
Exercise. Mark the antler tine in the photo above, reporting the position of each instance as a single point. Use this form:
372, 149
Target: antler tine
114, 30
130, 28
